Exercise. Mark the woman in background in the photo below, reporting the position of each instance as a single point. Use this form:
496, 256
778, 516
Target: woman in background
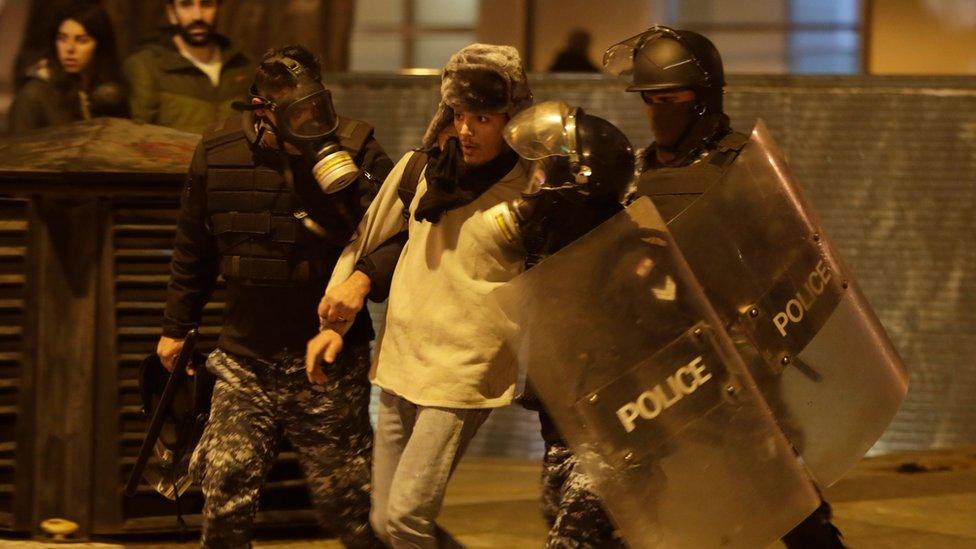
78, 79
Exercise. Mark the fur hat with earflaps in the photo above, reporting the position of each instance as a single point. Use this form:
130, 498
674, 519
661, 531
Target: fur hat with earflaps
480, 78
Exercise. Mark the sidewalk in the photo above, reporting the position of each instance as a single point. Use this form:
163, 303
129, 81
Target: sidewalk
908, 500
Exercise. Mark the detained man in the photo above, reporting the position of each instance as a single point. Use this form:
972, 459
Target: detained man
441, 363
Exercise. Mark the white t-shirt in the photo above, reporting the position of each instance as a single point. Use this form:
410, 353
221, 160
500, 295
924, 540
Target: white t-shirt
443, 342
211, 68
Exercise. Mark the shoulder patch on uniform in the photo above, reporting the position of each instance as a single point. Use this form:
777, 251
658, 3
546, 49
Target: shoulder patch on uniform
222, 138
346, 127
228, 146
223, 132
353, 134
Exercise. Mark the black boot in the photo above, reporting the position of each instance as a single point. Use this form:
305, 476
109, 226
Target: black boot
815, 532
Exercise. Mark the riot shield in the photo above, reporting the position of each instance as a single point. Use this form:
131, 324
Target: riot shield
640, 377
813, 344
178, 415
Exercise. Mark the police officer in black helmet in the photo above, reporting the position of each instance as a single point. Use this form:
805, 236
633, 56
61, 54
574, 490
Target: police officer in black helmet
272, 197
680, 78
584, 167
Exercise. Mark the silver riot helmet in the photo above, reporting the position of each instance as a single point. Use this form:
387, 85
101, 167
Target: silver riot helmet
306, 118
582, 158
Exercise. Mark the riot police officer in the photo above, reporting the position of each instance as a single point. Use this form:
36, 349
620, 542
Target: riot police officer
680, 78
271, 198
584, 166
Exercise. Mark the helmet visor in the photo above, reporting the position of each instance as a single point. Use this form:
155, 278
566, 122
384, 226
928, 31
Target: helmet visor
660, 59
546, 129
311, 117
618, 60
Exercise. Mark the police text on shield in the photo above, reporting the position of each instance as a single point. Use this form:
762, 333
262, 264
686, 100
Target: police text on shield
804, 299
684, 381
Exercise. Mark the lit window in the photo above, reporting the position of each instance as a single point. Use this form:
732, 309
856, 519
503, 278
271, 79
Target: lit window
776, 36
389, 35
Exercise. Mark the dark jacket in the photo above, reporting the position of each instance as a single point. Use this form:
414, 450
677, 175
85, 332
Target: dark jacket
40, 103
702, 158
168, 90
262, 321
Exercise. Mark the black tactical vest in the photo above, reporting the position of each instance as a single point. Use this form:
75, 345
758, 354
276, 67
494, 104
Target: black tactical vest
252, 210
672, 189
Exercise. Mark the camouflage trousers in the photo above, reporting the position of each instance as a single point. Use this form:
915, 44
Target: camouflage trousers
575, 515
255, 404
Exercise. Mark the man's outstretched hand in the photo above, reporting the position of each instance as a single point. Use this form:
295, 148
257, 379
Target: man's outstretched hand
324, 347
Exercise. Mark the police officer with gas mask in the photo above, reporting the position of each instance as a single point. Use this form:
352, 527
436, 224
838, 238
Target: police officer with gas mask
271, 199
584, 167
680, 78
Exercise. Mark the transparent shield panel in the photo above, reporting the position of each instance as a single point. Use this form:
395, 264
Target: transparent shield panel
818, 353
632, 364
853, 357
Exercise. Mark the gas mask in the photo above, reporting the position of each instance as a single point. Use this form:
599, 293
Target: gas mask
307, 120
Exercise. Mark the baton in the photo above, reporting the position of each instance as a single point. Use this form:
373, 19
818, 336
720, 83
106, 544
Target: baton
162, 407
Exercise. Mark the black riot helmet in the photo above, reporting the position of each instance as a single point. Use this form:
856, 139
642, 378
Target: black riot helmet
582, 155
662, 58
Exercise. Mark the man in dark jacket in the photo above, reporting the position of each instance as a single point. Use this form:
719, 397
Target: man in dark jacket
680, 78
272, 221
188, 79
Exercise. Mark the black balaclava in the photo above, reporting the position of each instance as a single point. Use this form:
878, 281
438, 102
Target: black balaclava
671, 122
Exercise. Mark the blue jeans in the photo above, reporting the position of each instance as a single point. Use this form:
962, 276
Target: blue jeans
415, 451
